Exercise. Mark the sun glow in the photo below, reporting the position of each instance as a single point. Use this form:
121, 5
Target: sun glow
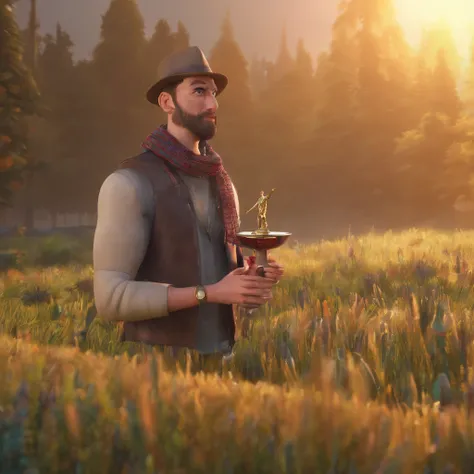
415, 15
457, 13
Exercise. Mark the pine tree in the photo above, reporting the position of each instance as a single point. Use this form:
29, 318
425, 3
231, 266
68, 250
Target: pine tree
457, 174
273, 108
335, 133
61, 133
236, 135
363, 85
18, 99
161, 43
422, 88
181, 37
289, 101
436, 37
227, 58
303, 62
284, 63
56, 67
235, 104
468, 89
421, 155
319, 86
120, 82
444, 99
258, 77
119, 57
429, 156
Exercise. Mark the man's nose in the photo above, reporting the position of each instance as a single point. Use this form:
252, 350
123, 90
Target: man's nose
211, 103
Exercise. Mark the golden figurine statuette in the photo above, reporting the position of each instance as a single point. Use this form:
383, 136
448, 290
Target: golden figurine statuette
262, 207
262, 239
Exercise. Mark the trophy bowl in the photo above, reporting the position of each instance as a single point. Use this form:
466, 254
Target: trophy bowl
261, 243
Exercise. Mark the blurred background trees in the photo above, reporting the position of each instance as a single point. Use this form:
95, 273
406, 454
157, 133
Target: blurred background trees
373, 131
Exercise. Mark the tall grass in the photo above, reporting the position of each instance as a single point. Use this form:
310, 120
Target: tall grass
364, 354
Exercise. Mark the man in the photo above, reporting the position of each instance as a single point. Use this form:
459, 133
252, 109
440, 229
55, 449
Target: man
166, 258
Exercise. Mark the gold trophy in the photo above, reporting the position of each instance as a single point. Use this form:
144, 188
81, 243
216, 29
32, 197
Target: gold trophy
262, 240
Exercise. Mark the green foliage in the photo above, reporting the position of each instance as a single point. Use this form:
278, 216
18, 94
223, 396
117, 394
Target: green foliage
59, 250
18, 99
10, 259
447, 147
54, 250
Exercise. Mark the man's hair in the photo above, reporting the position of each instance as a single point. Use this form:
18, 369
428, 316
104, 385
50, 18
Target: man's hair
171, 89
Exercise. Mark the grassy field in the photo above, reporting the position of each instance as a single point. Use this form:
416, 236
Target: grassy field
362, 363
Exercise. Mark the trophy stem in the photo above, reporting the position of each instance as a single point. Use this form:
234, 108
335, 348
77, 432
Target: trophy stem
261, 261
261, 257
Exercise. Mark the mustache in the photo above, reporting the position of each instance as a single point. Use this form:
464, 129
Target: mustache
208, 115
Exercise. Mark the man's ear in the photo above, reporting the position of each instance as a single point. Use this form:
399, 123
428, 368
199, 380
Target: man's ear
165, 101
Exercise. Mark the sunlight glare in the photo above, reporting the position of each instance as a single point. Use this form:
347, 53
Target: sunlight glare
415, 15
456, 13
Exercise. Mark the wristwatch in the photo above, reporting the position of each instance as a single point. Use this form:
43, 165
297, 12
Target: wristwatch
200, 293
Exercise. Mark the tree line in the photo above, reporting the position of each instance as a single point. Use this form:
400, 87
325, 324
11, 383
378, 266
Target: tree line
374, 131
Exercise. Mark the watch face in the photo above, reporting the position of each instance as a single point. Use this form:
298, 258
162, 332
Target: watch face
201, 294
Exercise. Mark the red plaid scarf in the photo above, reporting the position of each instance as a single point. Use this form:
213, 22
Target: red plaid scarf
166, 146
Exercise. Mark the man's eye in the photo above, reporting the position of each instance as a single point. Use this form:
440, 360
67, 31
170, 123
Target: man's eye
202, 90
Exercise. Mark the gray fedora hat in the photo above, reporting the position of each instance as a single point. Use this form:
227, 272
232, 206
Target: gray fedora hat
188, 62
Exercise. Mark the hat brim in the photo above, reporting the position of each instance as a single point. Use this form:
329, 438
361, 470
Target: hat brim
155, 90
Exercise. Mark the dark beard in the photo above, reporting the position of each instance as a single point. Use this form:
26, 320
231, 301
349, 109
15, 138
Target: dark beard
196, 124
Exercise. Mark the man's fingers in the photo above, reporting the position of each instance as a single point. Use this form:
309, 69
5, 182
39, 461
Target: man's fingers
275, 266
272, 273
274, 278
254, 279
260, 292
273, 270
241, 270
258, 285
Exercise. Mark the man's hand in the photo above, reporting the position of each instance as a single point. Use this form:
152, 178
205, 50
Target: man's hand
238, 287
274, 271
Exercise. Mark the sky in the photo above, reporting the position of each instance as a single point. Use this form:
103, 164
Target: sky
257, 23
